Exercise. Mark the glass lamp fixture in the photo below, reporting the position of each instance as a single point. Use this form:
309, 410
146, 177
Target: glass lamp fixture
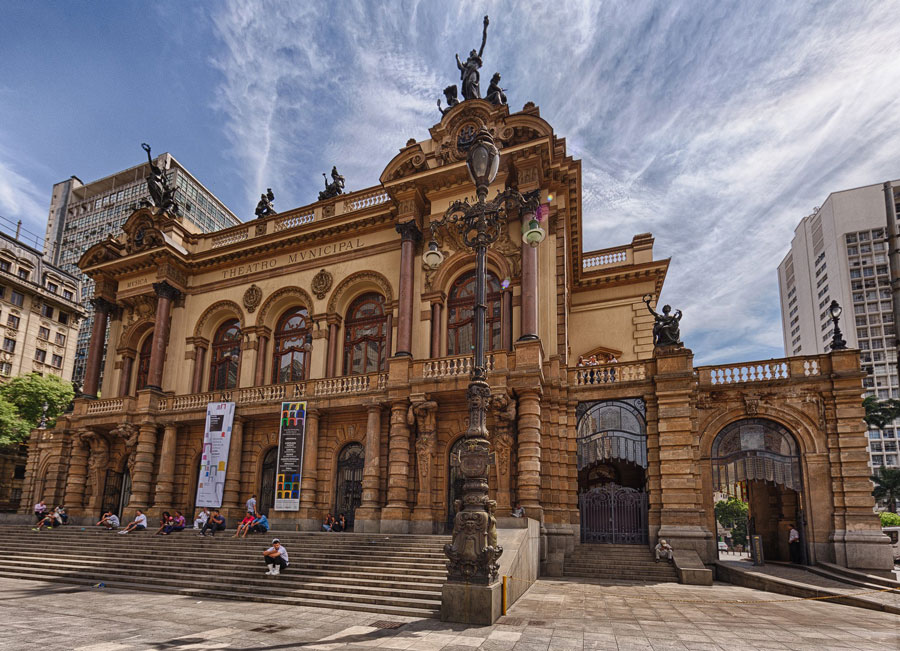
433, 257
835, 309
532, 233
483, 161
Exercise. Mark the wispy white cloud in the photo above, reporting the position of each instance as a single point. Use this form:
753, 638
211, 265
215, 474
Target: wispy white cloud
716, 125
20, 199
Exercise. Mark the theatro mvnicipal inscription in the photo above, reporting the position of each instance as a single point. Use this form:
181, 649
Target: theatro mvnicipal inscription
290, 258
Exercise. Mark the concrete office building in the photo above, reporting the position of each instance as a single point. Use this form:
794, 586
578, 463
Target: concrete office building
840, 253
83, 214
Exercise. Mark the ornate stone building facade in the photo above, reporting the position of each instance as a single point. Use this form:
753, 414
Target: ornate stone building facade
331, 303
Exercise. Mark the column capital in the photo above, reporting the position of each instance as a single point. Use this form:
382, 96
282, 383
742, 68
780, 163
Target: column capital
165, 290
100, 304
409, 231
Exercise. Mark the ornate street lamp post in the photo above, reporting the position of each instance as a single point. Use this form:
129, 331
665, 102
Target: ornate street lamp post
474, 551
837, 340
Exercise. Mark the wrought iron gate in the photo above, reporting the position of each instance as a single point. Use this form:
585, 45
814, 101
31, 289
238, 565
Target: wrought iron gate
614, 514
348, 493
116, 492
267, 482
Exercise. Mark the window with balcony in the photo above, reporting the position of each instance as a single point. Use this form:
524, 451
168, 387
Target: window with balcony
461, 315
289, 353
225, 358
364, 335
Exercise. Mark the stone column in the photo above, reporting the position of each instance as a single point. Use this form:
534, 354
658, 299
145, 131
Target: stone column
682, 520
125, 372
529, 308
529, 453
502, 438
77, 474
410, 235
31, 465
395, 515
165, 294
308, 482
366, 520
262, 342
231, 496
436, 316
425, 414
199, 361
142, 472
334, 325
165, 477
102, 308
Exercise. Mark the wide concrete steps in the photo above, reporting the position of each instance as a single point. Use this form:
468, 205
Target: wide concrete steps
618, 563
400, 575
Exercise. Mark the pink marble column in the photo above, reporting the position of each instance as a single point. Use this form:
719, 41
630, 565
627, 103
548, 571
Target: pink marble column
410, 235
165, 294
102, 308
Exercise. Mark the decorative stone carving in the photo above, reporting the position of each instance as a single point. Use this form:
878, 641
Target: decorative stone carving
252, 298
261, 228
321, 283
423, 415
373, 277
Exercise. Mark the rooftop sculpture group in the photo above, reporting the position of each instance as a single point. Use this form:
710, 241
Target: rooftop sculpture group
666, 330
162, 195
470, 77
264, 208
334, 188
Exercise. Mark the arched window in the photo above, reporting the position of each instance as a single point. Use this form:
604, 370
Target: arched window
289, 355
460, 315
143, 368
364, 348
226, 356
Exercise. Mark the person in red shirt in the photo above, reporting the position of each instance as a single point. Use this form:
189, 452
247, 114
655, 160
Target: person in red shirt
244, 526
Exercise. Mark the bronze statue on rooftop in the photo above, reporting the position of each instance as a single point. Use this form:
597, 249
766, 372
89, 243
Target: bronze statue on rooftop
162, 195
468, 71
666, 331
334, 188
264, 208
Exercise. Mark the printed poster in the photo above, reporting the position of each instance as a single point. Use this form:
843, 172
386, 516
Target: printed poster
291, 437
214, 461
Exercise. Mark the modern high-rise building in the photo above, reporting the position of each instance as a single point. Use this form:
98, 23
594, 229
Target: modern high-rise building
840, 252
83, 214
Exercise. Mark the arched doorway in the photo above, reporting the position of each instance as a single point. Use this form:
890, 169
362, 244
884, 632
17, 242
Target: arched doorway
756, 466
267, 481
348, 481
612, 462
455, 481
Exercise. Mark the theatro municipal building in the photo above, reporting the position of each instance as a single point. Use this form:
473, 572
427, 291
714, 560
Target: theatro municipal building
600, 426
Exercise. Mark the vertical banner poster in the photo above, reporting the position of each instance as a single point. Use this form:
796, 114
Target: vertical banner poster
214, 461
291, 435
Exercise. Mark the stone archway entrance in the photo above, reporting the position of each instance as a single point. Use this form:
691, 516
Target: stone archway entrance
756, 462
348, 482
612, 464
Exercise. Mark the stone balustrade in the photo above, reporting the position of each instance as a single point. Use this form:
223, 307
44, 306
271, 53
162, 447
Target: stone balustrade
350, 384
608, 374
107, 406
454, 366
773, 370
229, 237
365, 200
293, 221
605, 258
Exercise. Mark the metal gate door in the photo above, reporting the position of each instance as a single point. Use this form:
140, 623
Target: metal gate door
349, 481
267, 483
614, 514
112, 491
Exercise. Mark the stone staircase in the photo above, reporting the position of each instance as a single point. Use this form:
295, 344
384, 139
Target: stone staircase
390, 574
618, 563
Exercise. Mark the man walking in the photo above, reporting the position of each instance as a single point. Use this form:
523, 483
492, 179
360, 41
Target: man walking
794, 545
251, 506
276, 557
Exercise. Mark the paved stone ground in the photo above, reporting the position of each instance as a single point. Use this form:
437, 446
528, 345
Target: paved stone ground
554, 615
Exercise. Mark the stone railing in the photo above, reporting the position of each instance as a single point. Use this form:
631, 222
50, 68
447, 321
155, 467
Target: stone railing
453, 366
773, 370
107, 406
349, 384
232, 237
608, 374
293, 221
605, 258
366, 200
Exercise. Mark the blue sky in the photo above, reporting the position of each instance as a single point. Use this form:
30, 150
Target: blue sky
714, 125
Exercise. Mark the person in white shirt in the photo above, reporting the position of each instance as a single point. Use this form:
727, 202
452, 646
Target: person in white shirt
251, 505
663, 550
109, 520
518, 512
276, 557
40, 510
201, 519
794, 545
139, 524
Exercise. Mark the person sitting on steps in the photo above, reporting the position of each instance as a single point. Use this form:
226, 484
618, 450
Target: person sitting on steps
109, 520
340, 524
260, 524
244, 526
215, 523
276, 558
139, 523
201, 518
328, 525
663, 550
176, 523
164, 520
